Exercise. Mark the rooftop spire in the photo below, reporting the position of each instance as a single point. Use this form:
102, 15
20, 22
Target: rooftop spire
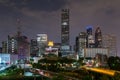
18, 27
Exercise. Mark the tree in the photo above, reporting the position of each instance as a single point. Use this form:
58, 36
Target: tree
58, 77
114, 63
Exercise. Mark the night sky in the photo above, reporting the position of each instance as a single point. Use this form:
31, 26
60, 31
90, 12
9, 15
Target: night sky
44, 16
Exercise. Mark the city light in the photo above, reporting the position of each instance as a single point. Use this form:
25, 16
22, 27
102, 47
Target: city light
103, 71
50, 43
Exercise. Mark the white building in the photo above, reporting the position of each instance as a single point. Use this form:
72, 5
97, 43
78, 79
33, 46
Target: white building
42, 41
91, 52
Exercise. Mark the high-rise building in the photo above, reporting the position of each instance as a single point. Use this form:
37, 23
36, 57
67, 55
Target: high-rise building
42, 40
109, 41
90, 39
65, 46
17, 44
33, 48
12, 45
98, 38
65, 27
80, 43
23, 46
4, 47
0, 49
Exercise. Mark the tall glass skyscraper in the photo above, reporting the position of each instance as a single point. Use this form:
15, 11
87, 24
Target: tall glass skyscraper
65, 27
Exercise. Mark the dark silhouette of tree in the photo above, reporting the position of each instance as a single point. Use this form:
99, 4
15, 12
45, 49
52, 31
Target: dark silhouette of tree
114, 63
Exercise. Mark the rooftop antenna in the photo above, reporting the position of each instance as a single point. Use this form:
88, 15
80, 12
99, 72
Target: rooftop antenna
19, 27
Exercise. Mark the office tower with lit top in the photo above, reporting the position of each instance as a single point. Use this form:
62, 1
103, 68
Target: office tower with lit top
65, 47
80, 43
98, 38
89, 39
65, 27
42, 40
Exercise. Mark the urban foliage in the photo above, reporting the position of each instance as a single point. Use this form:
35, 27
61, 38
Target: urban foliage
114, 63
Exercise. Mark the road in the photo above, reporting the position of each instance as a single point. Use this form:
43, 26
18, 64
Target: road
102, 70
50, 74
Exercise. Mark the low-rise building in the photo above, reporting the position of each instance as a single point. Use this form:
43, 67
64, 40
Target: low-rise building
7, 59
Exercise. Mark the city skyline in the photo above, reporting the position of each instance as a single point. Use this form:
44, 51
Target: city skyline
44, 16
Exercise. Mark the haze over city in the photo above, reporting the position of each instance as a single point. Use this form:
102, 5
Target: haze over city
44, 16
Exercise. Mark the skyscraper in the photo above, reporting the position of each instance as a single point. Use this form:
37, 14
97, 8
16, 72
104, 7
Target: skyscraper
98, 38
4, 47
80, 43
90, 38
33, 48
65, 27
42, 40
65, 46
109, 41
12, 45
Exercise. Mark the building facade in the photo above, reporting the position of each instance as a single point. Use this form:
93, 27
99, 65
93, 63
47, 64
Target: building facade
17, 44
89, 39
65, 46
7, 59
42, 41
12, 45
33, 48
109, 41
98, 38
65, 27
4, 47
80, 43
92, 52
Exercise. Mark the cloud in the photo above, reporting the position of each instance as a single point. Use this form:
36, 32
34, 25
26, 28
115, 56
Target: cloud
4, 1
40, 5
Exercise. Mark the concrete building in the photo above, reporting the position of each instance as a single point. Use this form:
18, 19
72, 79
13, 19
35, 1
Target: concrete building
92, 52
109, 41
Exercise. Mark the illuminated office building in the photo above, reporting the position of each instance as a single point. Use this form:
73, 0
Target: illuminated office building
89, 39
42, 40
65, 27
65, 46
12, 45
80, 43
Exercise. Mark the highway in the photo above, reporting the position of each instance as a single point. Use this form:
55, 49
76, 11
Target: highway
50, 74
101, 70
